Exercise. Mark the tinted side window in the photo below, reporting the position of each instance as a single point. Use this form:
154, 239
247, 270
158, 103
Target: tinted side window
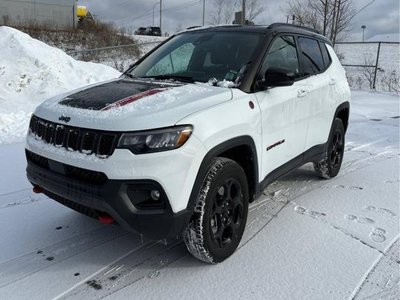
325, 54
283, 55
312, 61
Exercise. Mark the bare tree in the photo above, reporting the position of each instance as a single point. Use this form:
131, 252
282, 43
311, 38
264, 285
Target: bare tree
369, 73
253, 9
224, 10
305, 14
344, 14
390, 82
330, 17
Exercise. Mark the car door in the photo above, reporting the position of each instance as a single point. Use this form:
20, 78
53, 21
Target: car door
319, 80
284, 126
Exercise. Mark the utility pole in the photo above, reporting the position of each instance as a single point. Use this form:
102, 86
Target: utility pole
154, 8
243, 12
161, 16
204, 11
363, 29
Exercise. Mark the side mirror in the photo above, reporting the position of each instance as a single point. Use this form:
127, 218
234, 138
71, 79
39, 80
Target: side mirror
277, 77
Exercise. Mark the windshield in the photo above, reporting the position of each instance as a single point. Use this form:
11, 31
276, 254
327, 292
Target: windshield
200, 56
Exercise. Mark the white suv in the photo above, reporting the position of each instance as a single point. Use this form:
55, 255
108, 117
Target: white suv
193, 132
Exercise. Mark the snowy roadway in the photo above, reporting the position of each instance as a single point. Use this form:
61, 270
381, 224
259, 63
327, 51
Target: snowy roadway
306, 238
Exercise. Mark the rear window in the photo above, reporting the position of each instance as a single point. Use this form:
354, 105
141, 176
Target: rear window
312, 61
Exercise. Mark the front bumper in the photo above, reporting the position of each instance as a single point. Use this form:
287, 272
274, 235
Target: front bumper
174, 170
93, 194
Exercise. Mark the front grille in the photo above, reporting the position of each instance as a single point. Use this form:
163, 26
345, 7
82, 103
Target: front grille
88, 141
83, 175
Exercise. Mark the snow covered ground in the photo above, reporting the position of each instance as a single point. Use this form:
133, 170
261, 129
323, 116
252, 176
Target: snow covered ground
306, 238
30, 72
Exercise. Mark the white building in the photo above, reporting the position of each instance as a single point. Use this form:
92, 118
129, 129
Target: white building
57, 14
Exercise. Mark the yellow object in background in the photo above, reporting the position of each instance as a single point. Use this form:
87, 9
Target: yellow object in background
81, 11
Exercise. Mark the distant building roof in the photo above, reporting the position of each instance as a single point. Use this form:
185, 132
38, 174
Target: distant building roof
388, 37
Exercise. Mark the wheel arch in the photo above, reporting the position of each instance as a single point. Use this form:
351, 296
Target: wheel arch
343, 113
242, 150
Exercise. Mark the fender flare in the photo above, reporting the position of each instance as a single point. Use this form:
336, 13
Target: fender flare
215, 152
342, 107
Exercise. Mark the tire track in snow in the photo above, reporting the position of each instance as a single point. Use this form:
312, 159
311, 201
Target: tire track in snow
26, 265
144, 263
14, 192
20, 197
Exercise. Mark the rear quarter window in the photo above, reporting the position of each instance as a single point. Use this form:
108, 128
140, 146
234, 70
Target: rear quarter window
325, 55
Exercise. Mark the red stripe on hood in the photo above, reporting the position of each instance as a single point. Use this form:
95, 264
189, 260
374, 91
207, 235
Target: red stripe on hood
133, 98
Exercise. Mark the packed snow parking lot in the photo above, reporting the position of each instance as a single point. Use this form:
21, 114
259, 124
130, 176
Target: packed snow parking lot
306, 238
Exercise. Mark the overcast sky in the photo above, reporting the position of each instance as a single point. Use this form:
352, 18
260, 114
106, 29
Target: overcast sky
381, 17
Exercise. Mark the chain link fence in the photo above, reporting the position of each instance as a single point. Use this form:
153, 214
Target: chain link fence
371, 65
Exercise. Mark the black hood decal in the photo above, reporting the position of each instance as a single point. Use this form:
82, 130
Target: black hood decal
105, 95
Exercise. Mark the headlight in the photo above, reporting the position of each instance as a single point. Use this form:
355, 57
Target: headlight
155, 140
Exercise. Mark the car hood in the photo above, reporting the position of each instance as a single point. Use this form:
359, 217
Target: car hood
129, 105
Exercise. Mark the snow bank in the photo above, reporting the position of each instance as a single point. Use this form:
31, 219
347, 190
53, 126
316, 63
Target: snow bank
31, 72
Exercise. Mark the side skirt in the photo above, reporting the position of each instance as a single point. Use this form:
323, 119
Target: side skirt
313, 154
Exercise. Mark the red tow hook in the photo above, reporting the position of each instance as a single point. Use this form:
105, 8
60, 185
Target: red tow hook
106, 219
37, 189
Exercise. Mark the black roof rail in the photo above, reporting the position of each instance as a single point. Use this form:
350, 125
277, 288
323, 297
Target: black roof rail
274, 25
193, 27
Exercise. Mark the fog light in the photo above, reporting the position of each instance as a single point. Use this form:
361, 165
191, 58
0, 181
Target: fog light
155, 195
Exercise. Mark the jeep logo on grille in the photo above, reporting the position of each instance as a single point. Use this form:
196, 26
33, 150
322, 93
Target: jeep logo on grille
65, 119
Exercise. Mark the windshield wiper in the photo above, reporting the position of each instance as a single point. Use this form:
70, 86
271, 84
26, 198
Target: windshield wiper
171, 76
128, 74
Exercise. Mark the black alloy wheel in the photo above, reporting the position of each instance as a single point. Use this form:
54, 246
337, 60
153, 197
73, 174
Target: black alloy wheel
227, 213
220, 212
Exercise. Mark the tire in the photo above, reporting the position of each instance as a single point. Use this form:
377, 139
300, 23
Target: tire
220, 213
329, 166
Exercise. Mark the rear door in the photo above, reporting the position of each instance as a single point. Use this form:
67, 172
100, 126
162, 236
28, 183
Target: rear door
318, 82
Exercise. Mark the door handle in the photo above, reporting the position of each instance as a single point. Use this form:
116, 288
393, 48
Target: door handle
302, 93
332, 81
